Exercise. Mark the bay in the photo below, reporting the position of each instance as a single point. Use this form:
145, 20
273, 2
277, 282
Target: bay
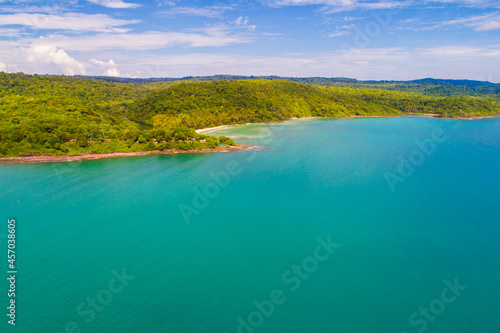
202, 243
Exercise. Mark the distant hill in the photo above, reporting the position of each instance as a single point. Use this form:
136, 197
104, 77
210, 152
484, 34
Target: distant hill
428, 86
214, 103
466, 83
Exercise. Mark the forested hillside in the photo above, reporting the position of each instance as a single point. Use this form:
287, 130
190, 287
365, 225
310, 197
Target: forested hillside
206, 104
65, 116
73, 115
431, 87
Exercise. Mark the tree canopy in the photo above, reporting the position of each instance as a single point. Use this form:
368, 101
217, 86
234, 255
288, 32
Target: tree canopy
41, 114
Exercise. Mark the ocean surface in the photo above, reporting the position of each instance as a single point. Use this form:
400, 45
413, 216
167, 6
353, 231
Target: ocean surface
327, 226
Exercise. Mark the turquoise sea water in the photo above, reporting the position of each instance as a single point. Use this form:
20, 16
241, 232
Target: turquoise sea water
420, 255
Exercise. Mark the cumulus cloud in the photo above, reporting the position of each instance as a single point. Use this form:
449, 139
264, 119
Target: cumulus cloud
452, 61
68, 21
8, 68
117, 4
108, 68
46, 57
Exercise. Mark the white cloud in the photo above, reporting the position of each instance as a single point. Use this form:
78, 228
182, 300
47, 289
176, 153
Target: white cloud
336, 6
224, 29
241, 20
410, 20
211, 12
117, 4
355, 5
491, 25
45, 58
36, 6
283, 3
144, 41
33, 9
339, 33
458, 52
385, 4
69, 21
242, 23
401, 63
165, 2
8, 68
456, 62
479, 22
467, 3
10, 32
109, 68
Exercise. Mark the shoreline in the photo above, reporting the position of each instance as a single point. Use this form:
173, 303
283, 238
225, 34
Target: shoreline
429, 115
223, 127
86, 157
469, 118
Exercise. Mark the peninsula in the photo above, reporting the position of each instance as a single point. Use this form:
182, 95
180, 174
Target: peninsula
71, 118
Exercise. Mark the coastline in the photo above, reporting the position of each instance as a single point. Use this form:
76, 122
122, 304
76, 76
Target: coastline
429, 115
75, 158
469, 118
222, 127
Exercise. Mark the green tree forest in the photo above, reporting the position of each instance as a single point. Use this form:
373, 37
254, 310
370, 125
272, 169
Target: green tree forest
62, 115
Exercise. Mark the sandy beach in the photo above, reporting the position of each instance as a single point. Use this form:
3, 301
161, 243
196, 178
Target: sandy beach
217, 128
430, 115
72, 158
211, 129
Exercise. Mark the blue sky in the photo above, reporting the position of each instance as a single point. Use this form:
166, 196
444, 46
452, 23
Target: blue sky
363, 39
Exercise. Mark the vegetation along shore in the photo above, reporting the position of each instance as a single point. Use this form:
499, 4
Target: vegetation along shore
62, 118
